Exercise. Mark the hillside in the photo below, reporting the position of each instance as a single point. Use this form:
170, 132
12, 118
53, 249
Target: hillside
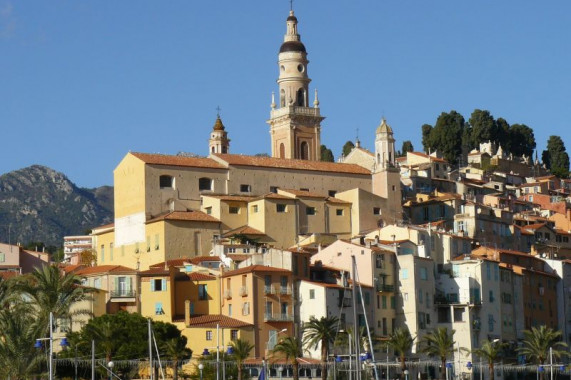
41, 204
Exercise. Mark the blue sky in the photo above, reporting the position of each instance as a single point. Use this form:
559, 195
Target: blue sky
84, 82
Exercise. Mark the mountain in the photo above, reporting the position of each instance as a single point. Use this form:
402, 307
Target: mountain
40, 204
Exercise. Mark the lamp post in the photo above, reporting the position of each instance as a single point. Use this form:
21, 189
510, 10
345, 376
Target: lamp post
110, 366
469, 366
280, 368
406, 374
63, 343
448, 367
200, 368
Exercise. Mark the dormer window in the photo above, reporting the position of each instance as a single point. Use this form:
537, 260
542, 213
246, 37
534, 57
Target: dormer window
166, 182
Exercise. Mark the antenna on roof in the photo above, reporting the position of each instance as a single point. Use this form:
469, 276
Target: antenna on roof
291, 5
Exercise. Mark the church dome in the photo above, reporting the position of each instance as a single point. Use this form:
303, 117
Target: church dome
218, 126
384, 127
292, 46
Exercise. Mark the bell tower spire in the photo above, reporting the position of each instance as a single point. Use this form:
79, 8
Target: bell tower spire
295, 126
219, 141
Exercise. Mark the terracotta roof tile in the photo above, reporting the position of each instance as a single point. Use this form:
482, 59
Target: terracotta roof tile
244, 230
432, 158
213, 320
282, 163
169, 160
104, 269
199, 276
199, 259
238, 257
255, 268
6, 274
232, 198
302, 193
156, 271
337, 201
190, 216
273, 196
172, 263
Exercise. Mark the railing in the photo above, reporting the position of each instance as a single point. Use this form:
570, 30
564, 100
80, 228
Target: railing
307, 111
269, 317
285, 290
454, 299
243, 291
385, 288
123, 293
269, 289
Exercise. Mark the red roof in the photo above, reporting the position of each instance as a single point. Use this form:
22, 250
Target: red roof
255, 268
164, 159
104, 269
219, 320
244, 230
198, 276
284, 163
303, 193
190, 216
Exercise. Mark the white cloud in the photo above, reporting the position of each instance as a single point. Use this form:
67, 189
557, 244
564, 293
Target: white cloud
7, 20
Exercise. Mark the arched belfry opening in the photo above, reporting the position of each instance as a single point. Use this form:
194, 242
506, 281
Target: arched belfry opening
300, 98
304, 151
282, 150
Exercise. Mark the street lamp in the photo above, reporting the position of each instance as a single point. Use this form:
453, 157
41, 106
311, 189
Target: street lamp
110, 366
38, 344
469, 366
276, 336
448, 367
406, 374
200, 368
280, 368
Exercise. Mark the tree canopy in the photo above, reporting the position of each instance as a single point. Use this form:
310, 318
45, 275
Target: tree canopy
347, 147
407, 147
326, 154
555, 157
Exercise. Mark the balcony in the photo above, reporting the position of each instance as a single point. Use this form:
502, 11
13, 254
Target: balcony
385, 288
120, 295
306, 111
285, 290
243, 291
454, 299
228, 294
270, 317
269, 289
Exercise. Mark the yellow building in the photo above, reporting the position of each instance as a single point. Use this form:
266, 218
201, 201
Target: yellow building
263, 297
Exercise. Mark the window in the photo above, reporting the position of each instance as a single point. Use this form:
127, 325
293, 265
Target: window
393, 302
384, 301
208, 210
166, 182
273, 189
102, 253
158, 285
245, 188
159, 308
491, 296
202, 292
311, 294
97, 283
339, 212
204, 184
2, 257
209, 335
490, 322
255, 208
229, 310
379, 261
310, 210
234, 210
419, 295
246, 308
404, 274
367, 299
332, 193
280, 207
233, 335
376, 211
423, 274
157, 241
111, 251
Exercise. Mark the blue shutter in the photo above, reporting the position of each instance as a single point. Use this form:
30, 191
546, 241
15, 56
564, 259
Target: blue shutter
152, 285
164, 285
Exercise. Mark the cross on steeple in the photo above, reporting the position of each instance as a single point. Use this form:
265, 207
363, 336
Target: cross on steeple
291, 5
218, 109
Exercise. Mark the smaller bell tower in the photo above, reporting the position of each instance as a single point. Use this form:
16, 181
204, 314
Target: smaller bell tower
219, 141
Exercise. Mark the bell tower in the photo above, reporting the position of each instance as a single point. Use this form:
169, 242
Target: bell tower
295, 127
219, 141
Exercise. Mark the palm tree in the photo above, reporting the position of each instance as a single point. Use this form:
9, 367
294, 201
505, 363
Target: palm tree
401, 342
490, 351
51, 291
241, 351
175, 349
291, 348
18, 358
321, 332
538, 341
439, 343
